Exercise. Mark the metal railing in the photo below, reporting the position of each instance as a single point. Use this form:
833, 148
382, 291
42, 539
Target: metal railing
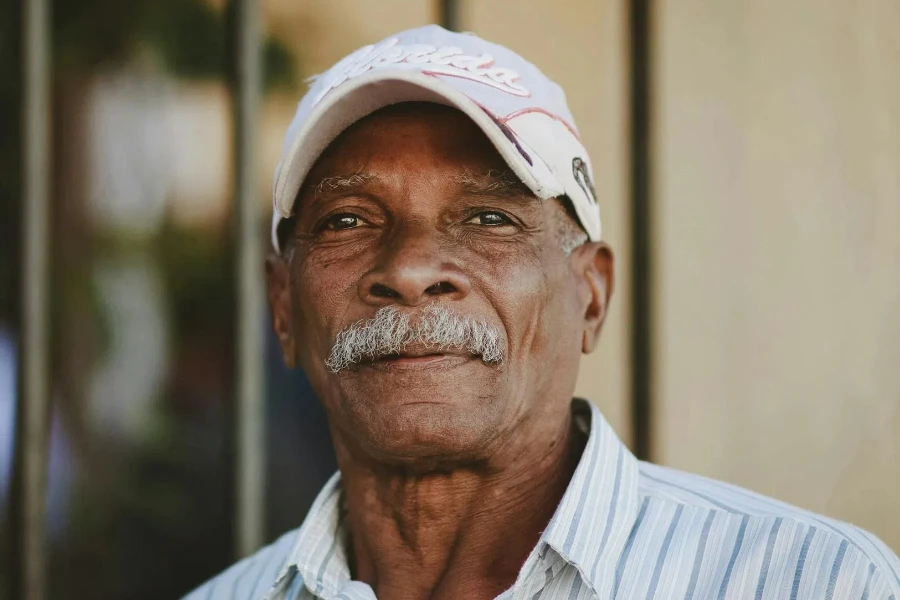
641, 203
29, 544
249, 385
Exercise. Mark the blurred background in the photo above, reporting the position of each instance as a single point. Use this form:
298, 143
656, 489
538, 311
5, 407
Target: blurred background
747, 158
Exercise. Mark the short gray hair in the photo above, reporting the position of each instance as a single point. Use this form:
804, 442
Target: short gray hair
569, 232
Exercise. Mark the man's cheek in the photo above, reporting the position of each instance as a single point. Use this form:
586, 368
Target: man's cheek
310, 323
541, 311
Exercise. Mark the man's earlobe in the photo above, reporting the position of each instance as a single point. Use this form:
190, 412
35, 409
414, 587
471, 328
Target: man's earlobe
278, 280
596, 267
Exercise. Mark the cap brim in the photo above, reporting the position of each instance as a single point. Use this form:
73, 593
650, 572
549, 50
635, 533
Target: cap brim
365, 94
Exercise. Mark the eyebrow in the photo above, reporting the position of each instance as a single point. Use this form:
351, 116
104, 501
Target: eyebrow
341, 182
495, 183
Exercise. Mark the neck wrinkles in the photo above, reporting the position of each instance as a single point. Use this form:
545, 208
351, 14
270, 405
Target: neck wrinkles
463, 532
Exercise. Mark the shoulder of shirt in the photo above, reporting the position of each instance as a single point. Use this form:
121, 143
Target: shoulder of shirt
680, 488
250, 578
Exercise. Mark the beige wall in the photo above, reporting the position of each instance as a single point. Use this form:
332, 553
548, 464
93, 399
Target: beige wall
324, 31
778, 161
581, 45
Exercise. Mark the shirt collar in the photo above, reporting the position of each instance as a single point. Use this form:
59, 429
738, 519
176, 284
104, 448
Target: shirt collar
597, 513
588, 530
319, 555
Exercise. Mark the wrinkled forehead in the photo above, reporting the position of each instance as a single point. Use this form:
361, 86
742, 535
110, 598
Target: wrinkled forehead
405, 139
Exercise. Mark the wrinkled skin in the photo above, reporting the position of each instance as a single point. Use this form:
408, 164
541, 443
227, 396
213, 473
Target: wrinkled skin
441, 455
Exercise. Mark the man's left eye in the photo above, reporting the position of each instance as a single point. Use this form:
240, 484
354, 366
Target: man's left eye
490, 218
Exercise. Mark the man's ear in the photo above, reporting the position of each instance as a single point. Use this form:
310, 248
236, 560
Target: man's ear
278, 281
593, 262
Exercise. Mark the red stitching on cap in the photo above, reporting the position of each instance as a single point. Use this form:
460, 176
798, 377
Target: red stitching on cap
535, 109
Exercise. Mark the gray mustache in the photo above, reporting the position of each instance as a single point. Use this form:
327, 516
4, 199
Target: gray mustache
390, 332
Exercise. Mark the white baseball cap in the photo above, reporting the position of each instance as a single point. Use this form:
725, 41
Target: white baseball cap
521, 111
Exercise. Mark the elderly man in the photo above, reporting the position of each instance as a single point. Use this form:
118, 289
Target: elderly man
438, 273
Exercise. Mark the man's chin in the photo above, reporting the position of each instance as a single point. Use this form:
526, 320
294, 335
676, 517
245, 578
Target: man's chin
423, 426
442, 409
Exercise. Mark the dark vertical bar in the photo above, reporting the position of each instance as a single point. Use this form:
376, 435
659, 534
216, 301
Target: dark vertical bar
640, 13
250, 398
30, 548
449, 14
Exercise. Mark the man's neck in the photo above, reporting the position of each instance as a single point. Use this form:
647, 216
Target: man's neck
461, 533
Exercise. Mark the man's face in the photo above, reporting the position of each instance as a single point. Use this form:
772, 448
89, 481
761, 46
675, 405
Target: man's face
411, 208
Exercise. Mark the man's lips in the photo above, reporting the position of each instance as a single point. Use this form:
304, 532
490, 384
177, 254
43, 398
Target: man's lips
417, 359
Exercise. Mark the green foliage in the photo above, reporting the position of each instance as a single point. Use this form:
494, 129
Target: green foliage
190, 36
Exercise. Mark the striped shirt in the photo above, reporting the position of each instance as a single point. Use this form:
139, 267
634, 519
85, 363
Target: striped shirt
624, 529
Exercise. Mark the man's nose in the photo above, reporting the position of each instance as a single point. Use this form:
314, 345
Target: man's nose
411, 269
